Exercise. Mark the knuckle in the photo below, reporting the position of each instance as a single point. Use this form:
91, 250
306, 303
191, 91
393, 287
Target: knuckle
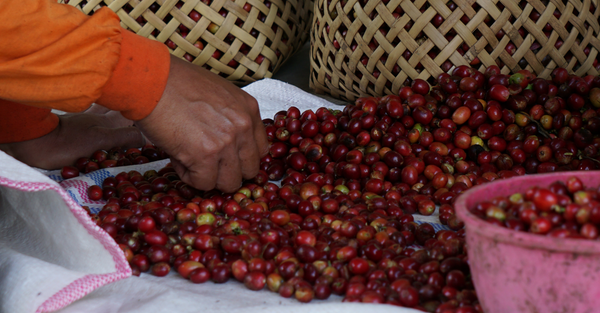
243, 123
212, 147
226, 140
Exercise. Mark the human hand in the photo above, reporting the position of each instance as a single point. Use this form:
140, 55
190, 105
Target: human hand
77, 135
211, 128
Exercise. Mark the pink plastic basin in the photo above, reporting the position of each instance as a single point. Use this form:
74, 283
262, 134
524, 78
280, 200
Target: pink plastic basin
522, 272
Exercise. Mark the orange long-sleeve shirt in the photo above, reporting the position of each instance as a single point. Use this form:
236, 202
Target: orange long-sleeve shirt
52, 56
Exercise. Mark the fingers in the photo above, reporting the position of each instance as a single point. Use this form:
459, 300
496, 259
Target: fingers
189, 177
260, 136
202, 175
181, 171
224, 174
252, 148
249, 158
262, 142
230, 170
215, 134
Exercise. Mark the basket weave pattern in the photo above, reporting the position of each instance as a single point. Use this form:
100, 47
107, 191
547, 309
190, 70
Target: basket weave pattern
242, 40
371, 47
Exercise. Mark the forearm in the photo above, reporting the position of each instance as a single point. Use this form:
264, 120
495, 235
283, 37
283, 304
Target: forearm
54, 56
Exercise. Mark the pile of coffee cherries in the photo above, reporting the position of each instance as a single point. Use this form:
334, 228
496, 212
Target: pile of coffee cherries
562, 210
113, 158
297, 240
351, 182
354, 14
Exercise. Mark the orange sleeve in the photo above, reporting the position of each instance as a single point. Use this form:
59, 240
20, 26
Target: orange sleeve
55, 57
139, 79
20, 122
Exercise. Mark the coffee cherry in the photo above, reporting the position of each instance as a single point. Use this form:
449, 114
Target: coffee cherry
68, 172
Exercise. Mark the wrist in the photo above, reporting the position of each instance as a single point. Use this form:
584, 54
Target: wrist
139, 78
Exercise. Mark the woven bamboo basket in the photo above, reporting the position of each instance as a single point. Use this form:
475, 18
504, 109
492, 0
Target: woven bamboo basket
242, 40
374, 47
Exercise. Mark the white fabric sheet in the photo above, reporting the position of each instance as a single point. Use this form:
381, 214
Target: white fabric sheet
50, 253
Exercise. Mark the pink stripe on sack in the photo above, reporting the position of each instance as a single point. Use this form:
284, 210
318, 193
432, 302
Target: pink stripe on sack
82, 286
82, 189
